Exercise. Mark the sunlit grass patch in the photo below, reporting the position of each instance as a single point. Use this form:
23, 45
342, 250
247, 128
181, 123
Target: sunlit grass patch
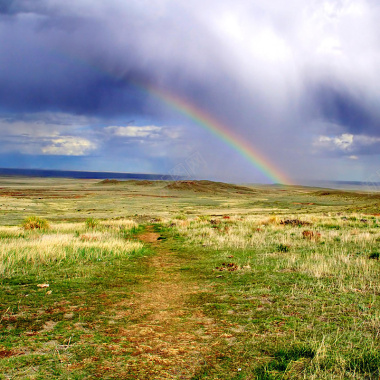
11, 232
112, 224
118, 223
71, 244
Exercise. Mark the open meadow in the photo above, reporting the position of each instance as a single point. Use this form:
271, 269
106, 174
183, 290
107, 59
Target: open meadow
187, 280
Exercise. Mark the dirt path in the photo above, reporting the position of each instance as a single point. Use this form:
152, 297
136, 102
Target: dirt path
171, 340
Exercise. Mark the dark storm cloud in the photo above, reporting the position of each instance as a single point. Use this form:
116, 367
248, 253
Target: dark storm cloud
5, 6
348, 109
14, 7
57, 56
39, 71
290, 78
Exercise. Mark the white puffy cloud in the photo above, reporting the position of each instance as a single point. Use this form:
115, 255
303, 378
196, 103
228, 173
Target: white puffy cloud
148, 133
345, 143
46, 134
68, 146
133, 131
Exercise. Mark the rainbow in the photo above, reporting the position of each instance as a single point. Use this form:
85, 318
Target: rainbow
207, 122
220, 130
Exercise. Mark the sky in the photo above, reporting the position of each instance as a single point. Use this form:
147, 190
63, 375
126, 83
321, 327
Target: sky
83, 84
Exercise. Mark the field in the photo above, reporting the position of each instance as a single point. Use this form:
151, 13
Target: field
187, 280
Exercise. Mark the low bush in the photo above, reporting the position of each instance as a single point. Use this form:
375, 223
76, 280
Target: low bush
283, 248
91, 222
35, 223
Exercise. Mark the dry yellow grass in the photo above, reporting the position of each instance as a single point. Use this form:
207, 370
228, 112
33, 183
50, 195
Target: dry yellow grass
341, 250
69, 241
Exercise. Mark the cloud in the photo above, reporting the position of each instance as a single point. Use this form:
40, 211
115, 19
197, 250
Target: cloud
5, 6
346, 143
46, 134
343, 142
67, 146
293, 80
132, 131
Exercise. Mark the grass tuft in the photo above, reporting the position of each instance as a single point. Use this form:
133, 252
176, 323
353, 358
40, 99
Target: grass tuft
374, 255
367, 363
35, 223
92, 223
283, 248
282, 361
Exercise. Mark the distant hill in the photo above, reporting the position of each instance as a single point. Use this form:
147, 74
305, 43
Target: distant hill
209, 187
140, 182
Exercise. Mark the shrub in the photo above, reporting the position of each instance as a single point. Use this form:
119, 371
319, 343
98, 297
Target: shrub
277, 367
308, 234
374, 255
330, 226
368, 363
91, 222
294, 222
35, 223
283, 248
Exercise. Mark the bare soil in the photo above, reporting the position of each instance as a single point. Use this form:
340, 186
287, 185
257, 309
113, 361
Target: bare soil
171, 340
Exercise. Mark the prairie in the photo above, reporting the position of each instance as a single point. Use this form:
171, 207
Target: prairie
187, 280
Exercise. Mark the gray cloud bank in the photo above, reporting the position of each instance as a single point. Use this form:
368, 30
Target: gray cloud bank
298, 80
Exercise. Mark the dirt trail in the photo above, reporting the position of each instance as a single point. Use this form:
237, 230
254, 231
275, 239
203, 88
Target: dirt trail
170, 340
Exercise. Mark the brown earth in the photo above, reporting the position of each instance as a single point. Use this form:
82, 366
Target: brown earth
4, 353
170, 340
42, 194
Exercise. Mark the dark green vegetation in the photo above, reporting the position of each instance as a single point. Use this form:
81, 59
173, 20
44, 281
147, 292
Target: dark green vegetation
190, 280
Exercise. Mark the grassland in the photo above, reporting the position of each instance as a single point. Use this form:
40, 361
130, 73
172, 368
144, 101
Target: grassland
190, 280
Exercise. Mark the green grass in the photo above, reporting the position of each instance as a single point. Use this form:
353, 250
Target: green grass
91, 223
319, 295
260, 299
44, 330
